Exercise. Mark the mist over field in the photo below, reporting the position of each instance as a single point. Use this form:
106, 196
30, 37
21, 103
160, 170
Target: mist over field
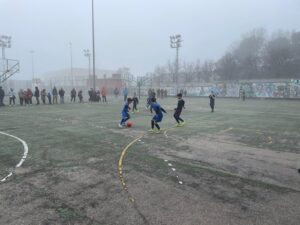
134, 33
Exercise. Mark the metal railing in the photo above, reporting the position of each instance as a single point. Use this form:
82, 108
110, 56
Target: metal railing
9, 68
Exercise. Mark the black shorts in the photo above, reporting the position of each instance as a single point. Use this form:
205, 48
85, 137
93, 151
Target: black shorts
177, 113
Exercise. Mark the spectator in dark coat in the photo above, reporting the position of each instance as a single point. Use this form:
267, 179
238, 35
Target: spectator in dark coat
37, 95
61, 96
2, 94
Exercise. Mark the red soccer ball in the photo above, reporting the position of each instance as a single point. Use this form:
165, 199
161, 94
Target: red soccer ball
129, 124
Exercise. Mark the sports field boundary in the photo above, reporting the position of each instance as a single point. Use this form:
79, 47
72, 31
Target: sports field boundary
25, 147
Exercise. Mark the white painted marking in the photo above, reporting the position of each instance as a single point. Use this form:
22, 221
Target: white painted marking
169, 164
166, 160
180, 182
24, 154
9, 175
173, 169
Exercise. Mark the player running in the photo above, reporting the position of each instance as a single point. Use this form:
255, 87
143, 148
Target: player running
178, 110
125, 113
158, 115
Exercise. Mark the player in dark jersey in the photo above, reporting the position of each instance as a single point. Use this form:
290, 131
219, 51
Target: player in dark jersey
158, 115
212, 98
135, 100
178, 110
125, 113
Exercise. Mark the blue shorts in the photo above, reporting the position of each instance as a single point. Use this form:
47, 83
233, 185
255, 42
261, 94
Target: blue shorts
157, 118
125, 115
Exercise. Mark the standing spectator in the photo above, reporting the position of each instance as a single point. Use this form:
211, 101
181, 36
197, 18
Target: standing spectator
25, 97
125, 93
80, 96
162, 93
73, 95
37, 95
29, 96
98, 97
103, 93
61, 96
90, 92
2, 94
43, 96
21, 96
54, 93
49, 98
116, 92
12, 97
158, 93
185, 92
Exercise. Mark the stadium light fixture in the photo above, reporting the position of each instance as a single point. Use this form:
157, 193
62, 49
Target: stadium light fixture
175, 42
5, 42
87, 53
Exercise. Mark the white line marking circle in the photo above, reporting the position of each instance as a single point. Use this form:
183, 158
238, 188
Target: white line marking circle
23, 157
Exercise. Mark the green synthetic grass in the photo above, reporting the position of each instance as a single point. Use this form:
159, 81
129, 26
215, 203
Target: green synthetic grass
67, 135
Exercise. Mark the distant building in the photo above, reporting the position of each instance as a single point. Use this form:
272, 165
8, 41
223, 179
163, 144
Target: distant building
115, 81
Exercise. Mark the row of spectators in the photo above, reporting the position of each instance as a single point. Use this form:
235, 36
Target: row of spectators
51, 97
160, 93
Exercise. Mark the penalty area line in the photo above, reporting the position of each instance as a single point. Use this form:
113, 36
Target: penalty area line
25, 146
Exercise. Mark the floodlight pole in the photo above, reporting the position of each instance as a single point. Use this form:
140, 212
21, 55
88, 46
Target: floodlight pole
93, 38
88, 54
32, 64
175, 42
71, 61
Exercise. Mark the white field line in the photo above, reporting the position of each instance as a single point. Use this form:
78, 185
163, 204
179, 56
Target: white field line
25, 146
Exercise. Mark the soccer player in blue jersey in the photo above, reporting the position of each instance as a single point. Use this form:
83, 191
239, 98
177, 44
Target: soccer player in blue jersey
125, 113
158, 115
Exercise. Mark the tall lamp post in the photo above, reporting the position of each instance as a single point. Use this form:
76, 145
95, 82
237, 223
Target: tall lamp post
175, 42
87, 53
32, 65
93, 39
71, 64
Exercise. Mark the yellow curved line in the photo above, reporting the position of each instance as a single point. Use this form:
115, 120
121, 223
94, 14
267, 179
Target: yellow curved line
120, 165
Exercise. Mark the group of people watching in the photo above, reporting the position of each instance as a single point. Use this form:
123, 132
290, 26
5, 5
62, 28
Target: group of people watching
159, 93
51, 97
97, 96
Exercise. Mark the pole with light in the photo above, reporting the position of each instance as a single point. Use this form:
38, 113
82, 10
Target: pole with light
87, 53
93, 39
32, 64
71, 62
175, 42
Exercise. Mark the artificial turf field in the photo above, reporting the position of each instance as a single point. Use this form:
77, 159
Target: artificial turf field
237, 165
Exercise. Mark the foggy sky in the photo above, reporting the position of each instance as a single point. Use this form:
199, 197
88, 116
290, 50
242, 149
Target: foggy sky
133, 33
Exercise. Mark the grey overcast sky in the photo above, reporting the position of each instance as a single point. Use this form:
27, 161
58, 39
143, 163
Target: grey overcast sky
133, 33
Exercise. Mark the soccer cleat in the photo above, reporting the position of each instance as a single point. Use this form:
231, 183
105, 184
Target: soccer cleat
177, 124
120, 125
151, 131
158, 131
182, 123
